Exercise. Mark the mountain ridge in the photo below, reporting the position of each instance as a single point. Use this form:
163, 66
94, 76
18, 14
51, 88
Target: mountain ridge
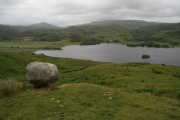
120, 23
123, 23
36, 26
43, 25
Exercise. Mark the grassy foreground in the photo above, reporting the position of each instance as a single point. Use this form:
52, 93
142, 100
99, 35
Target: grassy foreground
90, 90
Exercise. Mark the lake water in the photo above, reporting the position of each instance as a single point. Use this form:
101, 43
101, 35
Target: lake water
117, 53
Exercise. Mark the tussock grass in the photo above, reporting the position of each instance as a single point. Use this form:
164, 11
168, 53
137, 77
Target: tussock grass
11, 86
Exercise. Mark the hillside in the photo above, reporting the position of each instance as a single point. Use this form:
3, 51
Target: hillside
7, 32
43, 25
130, 32
37, 26
162, 33
80, 34
91, 90
132, 24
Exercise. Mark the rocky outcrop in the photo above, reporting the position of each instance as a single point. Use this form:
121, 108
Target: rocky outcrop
42, 74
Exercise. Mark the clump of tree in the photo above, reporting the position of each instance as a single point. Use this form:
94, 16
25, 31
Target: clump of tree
132, 45
174, 43
116, 41
86, 40
92, 41
43, 35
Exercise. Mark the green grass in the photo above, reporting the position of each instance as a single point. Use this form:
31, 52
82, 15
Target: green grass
92, 90
87, 101
28, 47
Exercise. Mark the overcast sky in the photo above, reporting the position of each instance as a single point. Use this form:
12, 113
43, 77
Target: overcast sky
70, 12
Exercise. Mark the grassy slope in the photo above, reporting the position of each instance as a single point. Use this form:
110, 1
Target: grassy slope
107, 32
169, 32
28, 47
93, 90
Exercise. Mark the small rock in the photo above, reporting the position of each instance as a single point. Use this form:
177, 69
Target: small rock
106, 93
110, 98
52, 98
61, 106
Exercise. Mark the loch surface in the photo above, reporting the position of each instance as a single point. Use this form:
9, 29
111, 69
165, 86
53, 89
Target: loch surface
117, 53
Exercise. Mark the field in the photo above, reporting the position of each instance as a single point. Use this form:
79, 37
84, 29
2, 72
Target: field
29, 47
92, 90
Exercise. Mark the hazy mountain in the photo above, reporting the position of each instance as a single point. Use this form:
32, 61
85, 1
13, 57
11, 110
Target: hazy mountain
7, 32
123, 23
37, 26
43, 25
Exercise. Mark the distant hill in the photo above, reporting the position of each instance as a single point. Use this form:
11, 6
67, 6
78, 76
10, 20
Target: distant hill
43, 25
164, 33
7, 32
123, 31
123, 23
37, 26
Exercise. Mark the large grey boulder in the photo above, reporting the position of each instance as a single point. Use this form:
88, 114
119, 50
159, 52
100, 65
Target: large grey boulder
41, 74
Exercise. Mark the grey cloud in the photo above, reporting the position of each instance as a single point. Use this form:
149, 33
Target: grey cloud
10, 2
66, 12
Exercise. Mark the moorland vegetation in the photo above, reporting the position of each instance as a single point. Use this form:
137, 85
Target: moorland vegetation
89, 90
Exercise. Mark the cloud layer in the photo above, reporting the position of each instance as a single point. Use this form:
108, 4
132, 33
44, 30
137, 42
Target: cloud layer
69, 12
